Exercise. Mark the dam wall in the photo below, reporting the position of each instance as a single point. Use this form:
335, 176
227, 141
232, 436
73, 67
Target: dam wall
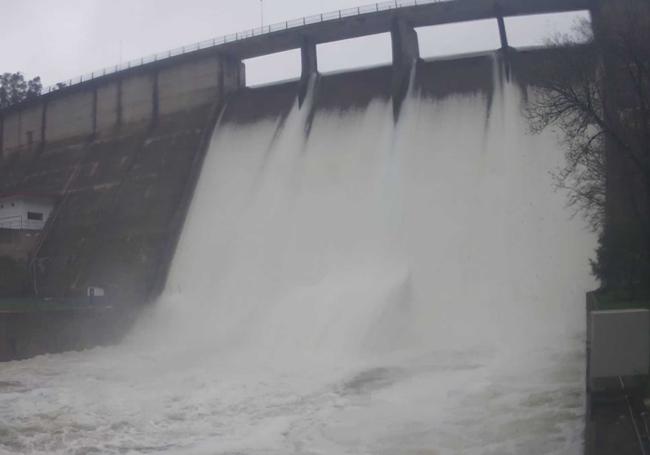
123, 193
121, 151
162, 84
116, 155
130, 98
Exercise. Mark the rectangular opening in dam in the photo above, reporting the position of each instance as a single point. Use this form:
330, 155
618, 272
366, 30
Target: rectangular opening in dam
461, 38
541, 29
272, 68
354, 53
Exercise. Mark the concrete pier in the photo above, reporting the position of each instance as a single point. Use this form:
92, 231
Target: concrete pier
309, 59
405, 44
406, 53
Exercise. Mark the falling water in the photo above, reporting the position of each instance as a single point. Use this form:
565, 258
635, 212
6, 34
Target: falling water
367, 288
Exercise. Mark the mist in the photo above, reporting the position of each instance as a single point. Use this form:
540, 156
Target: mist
346, 284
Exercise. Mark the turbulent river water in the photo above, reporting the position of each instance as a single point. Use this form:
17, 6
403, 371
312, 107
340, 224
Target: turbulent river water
367, 288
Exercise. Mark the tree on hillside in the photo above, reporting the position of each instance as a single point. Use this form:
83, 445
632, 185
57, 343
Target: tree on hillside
14, 88
597, 94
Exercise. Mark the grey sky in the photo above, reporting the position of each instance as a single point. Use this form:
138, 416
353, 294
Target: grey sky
62, 39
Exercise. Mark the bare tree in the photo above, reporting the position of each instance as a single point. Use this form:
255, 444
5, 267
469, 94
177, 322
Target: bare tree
597, 94
568, 98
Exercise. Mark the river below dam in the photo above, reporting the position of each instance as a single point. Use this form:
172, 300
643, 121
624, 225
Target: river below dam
345, 284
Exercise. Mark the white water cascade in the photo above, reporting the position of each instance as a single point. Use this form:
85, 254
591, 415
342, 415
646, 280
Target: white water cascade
368, 288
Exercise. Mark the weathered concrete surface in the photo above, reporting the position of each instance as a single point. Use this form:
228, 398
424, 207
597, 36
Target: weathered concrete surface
434, 79
137, 99
128, 100
21, 126
119, 154
188, 85
616, 410
406, 53
309, 59
118, 193
14, 243
309, 71
31, 126
69, 117
113, 225
24, 334
620, 343
249, 105
405, 44
107, 107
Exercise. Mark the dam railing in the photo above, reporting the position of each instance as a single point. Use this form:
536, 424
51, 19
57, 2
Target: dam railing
239, 36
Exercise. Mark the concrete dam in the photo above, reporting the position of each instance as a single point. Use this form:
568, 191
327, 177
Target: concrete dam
373, 261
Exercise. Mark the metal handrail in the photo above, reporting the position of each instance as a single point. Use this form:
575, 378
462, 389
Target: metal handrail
240, 36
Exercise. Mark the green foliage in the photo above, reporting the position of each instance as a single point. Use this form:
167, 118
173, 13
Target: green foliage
14, 88
620, 262
618, 299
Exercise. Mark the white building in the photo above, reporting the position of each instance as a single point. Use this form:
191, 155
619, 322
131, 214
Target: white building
25, 211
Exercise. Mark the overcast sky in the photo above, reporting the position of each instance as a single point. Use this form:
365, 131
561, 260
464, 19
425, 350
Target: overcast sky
62, 39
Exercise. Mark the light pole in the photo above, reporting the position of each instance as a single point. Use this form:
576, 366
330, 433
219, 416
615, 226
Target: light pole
262, 13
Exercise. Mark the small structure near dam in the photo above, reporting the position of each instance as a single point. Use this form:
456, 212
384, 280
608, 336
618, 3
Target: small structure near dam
25, 212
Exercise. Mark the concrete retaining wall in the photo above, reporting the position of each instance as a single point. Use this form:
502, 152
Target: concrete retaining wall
69, 116
137, 98
107, 107
24, 334
22, 127
12, 131
127, 99
31, 124
119, 153
14, 243
188, 85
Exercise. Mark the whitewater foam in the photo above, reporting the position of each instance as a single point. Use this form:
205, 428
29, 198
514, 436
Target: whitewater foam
368, 288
